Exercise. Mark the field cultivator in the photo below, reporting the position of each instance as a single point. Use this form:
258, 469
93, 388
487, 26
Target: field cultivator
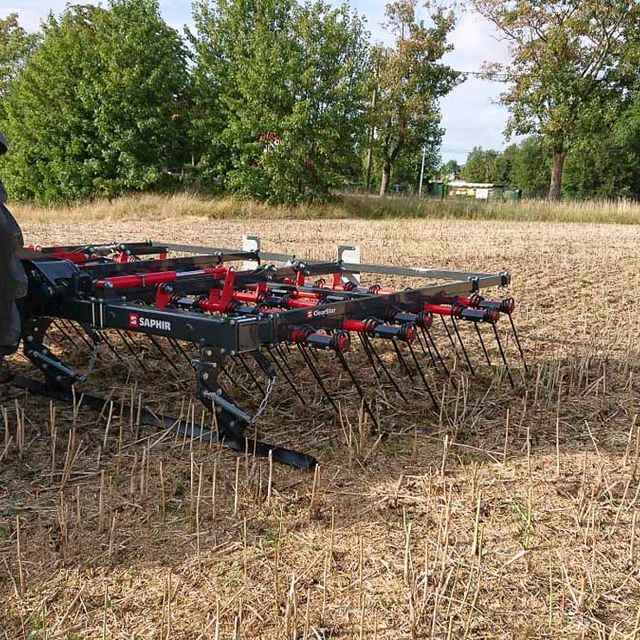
246, 322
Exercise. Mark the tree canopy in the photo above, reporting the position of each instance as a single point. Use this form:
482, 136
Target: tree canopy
290, 101
279, 96
410, 79
95, 109
565, 59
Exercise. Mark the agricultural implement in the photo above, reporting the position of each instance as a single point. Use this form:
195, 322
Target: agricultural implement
246, 322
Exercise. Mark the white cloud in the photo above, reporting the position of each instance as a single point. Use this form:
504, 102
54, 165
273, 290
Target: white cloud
471, 116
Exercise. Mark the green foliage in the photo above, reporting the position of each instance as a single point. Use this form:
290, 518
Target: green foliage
15, 47
96, 108
602, 165
529, 167
483, 166
279, 95
565, 56
448, 169
410, 79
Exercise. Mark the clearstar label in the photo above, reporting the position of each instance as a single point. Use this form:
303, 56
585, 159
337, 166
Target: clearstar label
140, 322
320, 313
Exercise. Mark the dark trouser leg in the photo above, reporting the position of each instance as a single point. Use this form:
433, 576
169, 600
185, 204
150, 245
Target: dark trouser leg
9, 335
9, 331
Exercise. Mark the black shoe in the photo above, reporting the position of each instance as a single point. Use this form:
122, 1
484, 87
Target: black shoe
8, 350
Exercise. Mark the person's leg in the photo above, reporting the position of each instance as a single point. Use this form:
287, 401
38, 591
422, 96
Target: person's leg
9, 337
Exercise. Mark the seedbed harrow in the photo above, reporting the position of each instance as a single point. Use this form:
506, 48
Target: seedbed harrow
247, 323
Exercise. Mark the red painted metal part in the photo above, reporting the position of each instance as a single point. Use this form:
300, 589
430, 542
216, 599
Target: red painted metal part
141, 280
77, 257
157, 277
223, 300
442, 309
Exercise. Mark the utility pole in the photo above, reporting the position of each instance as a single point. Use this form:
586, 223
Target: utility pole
424, 156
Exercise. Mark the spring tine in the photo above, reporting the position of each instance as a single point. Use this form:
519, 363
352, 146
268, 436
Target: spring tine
158, 346
365, 347
180, 351
311, 353
65, 335
517, 341
131, 350
317, 376
246, 367
484, 348
464, 349
453, 344
224, 370
401, 359
356, 384
429, 339
176, 347
81, 335
426, 349
384, 368
424, 378
502, 355
284, 373
105, 339
285, 358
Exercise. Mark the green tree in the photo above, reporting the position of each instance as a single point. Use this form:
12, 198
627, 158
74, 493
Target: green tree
411, 79
482, 165
450, 168
529, 166
15, 47
279, 96
96, 108
564, 56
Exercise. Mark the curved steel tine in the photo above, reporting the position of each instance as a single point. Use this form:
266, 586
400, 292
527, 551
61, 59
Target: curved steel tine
484, 348
401, 360
284, 373
58, 325
517, 341
426, 349
422, 375
448, 332
462, 346
105, 339
367, 352
131, 349
503, 356
246, 367
384, 368
359, 389
318, 377
158, 346
431, 339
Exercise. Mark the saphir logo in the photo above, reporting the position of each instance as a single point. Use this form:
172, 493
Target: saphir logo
137, 321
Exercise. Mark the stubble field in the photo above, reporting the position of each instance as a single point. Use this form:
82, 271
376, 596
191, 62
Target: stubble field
512, 514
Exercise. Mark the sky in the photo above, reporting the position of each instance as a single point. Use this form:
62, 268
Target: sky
470, 115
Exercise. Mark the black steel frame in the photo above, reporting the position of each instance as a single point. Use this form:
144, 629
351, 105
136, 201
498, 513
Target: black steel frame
84, 293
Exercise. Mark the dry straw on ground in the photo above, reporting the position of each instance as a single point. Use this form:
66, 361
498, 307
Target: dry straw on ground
145, 206
512, 515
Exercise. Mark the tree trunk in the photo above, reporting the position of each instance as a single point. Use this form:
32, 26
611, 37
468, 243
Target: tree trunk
555, 189
386, 177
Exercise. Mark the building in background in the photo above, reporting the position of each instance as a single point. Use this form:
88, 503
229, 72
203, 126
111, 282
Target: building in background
473, 190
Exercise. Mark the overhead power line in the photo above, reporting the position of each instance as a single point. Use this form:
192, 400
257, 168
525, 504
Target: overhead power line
495, 77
